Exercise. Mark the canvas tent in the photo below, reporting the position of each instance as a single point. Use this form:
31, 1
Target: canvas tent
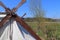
13, 30
13, 27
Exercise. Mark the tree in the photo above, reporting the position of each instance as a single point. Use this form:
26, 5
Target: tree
37, 12
35, 8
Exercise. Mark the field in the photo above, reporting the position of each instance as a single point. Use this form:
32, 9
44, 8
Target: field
46, 30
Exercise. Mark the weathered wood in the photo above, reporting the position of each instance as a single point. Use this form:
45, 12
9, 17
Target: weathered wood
4, 20
3, 13
24, 25
19, 5
1, 4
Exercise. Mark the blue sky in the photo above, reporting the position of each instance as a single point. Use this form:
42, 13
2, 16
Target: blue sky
51, 7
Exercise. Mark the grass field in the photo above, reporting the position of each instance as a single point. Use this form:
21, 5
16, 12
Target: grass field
53, 28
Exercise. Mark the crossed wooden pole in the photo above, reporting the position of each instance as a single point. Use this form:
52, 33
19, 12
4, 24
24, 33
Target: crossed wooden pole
11, 14
4, 20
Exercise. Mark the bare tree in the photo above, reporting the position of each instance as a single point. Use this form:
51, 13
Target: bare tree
35, 8
37, 12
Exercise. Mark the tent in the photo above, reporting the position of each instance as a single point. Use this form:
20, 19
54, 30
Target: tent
13, 27
16, 29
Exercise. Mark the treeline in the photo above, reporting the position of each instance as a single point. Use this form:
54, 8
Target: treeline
42, 19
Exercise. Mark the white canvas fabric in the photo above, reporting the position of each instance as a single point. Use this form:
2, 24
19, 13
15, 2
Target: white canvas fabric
14, 31
5, 32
